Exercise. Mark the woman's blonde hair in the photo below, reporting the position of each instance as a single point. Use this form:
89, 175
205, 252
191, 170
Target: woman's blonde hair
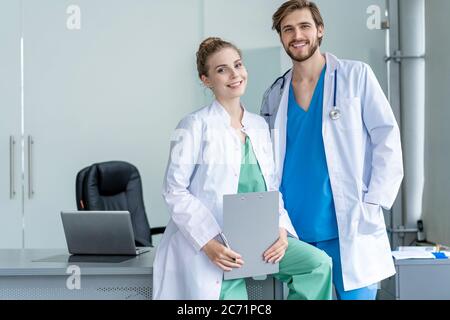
208, 47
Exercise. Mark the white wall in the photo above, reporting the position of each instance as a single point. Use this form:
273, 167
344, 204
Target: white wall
248, 24
347, 34
437, 130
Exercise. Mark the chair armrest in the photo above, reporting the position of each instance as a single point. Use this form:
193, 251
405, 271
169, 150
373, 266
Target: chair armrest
157, 230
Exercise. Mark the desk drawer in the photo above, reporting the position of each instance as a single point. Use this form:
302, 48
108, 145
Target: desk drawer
423, 281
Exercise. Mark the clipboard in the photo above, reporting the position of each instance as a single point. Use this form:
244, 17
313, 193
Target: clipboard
250, 224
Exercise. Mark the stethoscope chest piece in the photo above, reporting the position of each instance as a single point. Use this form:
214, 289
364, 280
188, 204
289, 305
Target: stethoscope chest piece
335, 114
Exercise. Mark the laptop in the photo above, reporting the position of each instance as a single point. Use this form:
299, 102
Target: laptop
100, 233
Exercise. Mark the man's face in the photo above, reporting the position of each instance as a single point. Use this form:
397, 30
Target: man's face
299, 35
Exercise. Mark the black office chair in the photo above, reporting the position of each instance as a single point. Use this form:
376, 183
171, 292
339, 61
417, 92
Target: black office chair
116, 186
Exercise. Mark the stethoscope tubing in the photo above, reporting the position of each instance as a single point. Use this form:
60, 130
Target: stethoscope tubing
335, 113
335, 88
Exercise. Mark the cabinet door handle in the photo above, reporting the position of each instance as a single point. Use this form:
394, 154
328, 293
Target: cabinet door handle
30, 167
12, 187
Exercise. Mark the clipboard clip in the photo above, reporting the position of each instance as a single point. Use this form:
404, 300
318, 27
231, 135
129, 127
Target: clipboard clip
260, 196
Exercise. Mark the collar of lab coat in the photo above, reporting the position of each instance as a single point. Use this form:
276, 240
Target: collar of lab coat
332, 62
226, 117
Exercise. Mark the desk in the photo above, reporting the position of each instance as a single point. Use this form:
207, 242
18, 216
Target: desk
52, 274
423, 279
418, 279
44, 274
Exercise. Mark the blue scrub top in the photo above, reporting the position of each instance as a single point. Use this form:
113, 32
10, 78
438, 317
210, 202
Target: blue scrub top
306, 185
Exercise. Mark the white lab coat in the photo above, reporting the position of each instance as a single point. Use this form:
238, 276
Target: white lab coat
204, 165
364, 160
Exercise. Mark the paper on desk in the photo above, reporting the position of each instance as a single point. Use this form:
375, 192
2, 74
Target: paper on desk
413, 254
416, 248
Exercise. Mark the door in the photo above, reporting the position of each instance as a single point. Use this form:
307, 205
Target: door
104, 80
10, 125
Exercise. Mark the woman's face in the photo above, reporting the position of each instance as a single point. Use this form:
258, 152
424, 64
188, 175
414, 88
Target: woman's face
227, 76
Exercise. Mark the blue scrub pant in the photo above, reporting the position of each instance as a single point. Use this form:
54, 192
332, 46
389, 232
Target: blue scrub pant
331, 247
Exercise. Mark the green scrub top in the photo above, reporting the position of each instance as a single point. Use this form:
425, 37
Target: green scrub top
251, 178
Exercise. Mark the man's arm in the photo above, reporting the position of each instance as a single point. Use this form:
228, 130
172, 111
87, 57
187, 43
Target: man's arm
387, 162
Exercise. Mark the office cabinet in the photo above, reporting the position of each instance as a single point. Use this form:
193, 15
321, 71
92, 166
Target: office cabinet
10, 126
103, 80
418, 279
426, 279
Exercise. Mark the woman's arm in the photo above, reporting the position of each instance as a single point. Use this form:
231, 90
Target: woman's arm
192, 217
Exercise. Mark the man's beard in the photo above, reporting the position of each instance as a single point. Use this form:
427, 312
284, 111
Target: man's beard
310, 53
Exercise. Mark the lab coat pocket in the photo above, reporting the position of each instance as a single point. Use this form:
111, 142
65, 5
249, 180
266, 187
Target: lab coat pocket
350, 114
371, 220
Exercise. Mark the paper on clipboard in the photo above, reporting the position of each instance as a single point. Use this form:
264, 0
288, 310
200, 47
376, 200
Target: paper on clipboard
250, 223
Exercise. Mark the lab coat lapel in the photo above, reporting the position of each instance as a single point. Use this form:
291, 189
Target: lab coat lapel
279, 131
328, 90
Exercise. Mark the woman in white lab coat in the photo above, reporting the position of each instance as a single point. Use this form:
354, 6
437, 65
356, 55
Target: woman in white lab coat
211, 155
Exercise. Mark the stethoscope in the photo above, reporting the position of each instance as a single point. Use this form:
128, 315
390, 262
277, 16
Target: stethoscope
335, 113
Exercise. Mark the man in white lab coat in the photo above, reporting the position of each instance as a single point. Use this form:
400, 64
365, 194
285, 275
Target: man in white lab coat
337, 152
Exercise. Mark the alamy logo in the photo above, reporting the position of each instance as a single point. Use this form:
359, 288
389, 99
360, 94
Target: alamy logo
374, 19
74, 280
74, 18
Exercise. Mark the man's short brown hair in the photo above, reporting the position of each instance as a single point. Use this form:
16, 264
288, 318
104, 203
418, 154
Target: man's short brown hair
292, 5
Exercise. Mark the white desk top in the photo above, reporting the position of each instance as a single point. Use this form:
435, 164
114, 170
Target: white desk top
14, 262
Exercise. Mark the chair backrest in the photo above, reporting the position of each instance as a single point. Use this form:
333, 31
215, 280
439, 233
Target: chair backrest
79, 188
114, 185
